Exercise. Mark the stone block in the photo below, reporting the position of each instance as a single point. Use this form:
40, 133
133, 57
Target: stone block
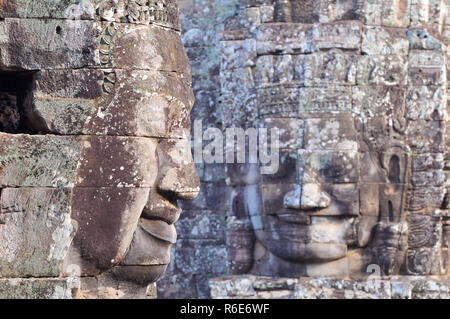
328, 101
39, 160
285, 38
244, 287
278, 99
47, 44
426, 68
328, 166
65, 9
71, 84
189, 252
426, 136
384, 41
426, 103
389, 13
424, 261
177, 287
422, 39
35, 288
382, 70
337, 268
342, 289
25, 252
425, 197
201, 225
330, 134
163, 12
131, 46
337, 35
237, 54
428, 13
326, 68
424, 231
148, 93
424, 288
428, 178
377, 101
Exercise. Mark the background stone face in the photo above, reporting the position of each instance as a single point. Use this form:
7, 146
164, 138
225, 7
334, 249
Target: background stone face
280, 61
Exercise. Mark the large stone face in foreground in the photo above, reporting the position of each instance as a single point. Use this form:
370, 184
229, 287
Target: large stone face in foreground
95, 97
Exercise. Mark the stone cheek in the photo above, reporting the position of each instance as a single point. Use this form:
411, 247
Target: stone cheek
117, 162
107, 218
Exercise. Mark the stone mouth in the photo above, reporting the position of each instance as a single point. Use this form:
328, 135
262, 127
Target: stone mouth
159, 229
298, 216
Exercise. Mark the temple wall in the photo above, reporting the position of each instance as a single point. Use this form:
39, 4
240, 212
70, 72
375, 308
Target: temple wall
265, 48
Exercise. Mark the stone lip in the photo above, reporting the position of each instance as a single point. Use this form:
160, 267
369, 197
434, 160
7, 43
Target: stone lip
160, 230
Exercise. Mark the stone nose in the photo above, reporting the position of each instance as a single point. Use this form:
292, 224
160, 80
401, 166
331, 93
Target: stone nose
177, 175
307, 197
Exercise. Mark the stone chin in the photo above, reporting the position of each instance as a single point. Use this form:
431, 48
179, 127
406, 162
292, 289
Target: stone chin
141, 275
149, 252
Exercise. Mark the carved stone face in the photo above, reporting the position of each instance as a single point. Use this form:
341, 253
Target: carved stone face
94, 122
328, 196
359, 108
310, 207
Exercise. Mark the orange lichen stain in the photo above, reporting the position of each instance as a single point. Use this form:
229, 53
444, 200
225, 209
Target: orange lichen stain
401, 9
